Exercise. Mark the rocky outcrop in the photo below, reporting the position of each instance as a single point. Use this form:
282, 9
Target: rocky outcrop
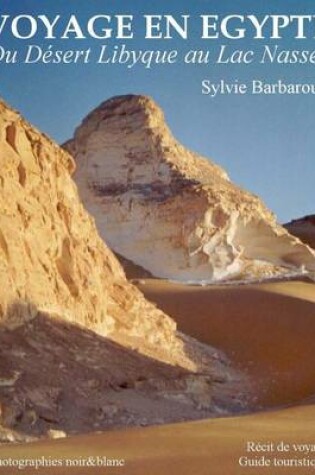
51, 257
80, 347
169, 210
304, 229
57, 378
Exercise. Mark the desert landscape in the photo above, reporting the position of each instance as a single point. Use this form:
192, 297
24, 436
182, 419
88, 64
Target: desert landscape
152, 312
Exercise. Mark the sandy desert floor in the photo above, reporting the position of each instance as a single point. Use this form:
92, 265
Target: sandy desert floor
267, 329
211, 447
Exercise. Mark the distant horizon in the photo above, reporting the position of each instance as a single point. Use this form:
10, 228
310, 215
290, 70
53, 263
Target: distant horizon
266, 143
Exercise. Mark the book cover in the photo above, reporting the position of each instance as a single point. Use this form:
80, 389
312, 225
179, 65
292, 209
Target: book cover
157, 237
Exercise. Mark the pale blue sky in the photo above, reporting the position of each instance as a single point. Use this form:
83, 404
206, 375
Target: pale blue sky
267, 144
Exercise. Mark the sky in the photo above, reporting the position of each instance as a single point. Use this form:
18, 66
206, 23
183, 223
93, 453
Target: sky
265, 143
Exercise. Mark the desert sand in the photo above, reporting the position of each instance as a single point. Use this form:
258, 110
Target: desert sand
200, 448
267, 329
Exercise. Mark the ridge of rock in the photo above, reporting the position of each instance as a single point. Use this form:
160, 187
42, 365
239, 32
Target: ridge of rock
170, 210
51, 257
303, 228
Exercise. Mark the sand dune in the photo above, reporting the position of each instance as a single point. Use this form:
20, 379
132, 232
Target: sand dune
268, 329
200, 448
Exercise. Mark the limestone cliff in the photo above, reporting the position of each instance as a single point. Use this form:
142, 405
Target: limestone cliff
304, 229
169, 210
51, 257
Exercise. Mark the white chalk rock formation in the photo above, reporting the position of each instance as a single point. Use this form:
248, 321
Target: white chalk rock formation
169, 210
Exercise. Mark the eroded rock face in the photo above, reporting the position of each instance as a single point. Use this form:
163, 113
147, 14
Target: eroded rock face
304, 229
169, 210
51, 257
80, 347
